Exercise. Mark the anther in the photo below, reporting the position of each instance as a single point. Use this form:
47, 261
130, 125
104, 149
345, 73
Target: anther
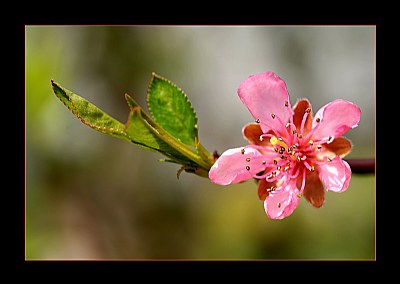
242, 151
275, 162
272, 188
283, 148
257, 120
278, 204
319, 147
308, 110
287, 125
298, 195
247, 159
299, 136
298, 158
317, 119
263, 162
286, 103
279, 168
312, 168
248, 168
311, 142
273, 116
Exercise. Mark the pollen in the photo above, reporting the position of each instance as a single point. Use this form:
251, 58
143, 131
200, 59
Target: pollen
274, 141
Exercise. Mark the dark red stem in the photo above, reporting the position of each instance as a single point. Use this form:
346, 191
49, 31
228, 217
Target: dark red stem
362, 166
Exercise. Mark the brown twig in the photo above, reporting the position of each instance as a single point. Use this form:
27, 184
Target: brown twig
362, 166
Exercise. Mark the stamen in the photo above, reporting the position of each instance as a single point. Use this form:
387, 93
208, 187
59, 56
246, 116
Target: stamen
307, 165
317, 119
273, 116
261, 148
303, 183
278, 204
257, 120
296, 173
303, 122
242, 151
286, 103
248, 168
247, 159
265, 135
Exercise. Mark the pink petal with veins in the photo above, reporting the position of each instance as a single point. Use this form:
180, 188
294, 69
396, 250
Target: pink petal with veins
235, 165
335, 174
282, 202
265, 95
335, 118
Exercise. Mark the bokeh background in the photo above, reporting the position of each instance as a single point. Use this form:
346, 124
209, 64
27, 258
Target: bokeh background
93, 196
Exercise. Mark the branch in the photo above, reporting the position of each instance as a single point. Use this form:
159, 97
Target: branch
362, 166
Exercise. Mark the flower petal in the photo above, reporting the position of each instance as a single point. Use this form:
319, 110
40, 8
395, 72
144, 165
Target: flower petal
282, 202
335, 118
335, 174
340, 146
252, 132
265, 95
299, 110
235, 165
262, 187
314, 190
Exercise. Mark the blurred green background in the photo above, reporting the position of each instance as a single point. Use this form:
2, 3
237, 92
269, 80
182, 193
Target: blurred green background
92, 196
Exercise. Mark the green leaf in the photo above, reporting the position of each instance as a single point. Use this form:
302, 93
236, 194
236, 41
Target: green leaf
189, 153
142, 130
172, 110
89, 114
145, 136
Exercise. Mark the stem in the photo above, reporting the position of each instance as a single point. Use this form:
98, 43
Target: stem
362, 166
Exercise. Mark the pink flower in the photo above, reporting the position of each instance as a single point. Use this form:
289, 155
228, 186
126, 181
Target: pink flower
292, 153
